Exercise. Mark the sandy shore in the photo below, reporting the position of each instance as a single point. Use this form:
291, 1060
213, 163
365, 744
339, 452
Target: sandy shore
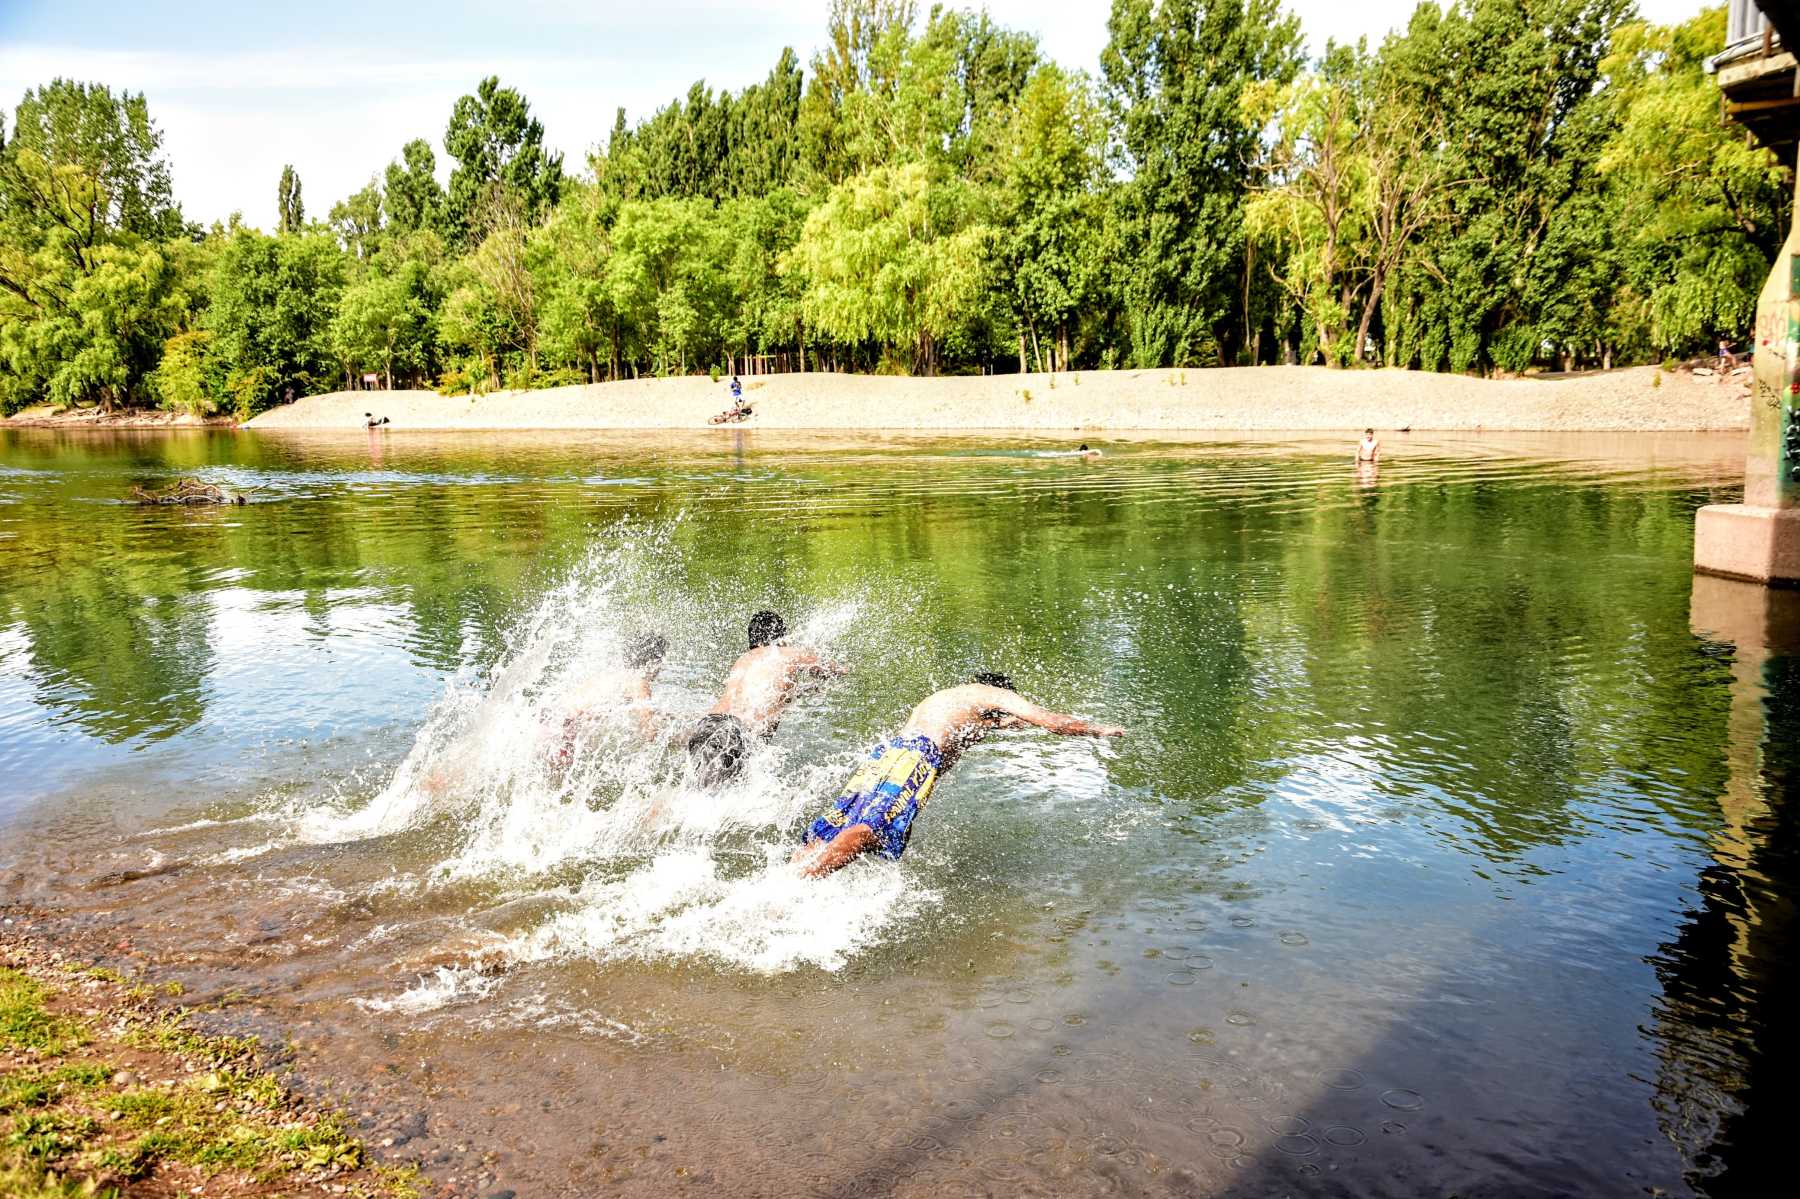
1244, 398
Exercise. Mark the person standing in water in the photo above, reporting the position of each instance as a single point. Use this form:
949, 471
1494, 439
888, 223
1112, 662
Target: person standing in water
1369, 450
875, 811
761, 684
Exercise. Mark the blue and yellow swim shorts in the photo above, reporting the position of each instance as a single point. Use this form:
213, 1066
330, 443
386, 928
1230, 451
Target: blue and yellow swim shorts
884, 793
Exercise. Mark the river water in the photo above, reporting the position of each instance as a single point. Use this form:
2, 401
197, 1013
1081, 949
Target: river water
1448, 852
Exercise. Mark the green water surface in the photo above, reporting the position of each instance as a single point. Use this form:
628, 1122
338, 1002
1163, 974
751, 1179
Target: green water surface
1444, 854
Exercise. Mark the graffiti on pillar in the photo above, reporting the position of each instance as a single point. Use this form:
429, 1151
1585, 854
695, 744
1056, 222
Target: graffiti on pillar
1789, 474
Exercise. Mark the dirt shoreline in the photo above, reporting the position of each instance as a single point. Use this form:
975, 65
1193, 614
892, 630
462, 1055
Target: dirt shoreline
126, 418
1072, 405
108, 1087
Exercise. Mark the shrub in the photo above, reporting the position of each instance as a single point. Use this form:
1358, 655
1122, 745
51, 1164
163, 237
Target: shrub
455, 382
181, 380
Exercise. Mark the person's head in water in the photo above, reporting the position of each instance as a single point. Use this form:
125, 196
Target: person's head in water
1084, 448
993, 678
766, 628
1368, 433
717, 749
646, 651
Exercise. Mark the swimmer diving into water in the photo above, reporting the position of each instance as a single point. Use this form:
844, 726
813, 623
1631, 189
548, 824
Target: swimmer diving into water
875, 812
762, 682
627, 687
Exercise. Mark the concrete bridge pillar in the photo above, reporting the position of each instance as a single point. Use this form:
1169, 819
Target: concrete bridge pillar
1759, 539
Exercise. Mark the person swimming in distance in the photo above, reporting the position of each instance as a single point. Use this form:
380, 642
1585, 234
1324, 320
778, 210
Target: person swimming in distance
761, 684
875, 811
1369, 449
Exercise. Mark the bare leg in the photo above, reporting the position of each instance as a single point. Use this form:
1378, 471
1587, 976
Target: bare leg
819, 858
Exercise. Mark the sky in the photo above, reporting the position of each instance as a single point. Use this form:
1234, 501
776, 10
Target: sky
336, 87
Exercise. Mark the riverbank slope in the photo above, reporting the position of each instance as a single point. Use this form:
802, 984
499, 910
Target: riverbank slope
1238, 398
44, 416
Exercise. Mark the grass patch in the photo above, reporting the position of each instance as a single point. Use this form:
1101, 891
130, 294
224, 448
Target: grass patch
47, 1134
26, 1024
80, 1129
170, 1034
398, 1182
24, 1182
35, 1088
214, 1124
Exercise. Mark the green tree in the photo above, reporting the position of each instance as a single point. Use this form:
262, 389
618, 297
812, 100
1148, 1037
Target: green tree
291, 212
1525, 120
895, 258
852, 77
569, 256
1047, 264
767, 314
414, 199
493, 310
185, 379
386, 321
107, 138
1175, 74
273, 302
666, 279
1317, 213
357, 222
1700, 212
497, 144
86, 296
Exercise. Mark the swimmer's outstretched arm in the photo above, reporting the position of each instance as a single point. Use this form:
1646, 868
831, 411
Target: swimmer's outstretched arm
1024, 711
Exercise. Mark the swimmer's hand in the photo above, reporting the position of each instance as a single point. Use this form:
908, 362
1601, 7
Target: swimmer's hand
1106, 730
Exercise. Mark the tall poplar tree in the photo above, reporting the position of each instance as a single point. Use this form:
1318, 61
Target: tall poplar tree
292, 212
1175, 74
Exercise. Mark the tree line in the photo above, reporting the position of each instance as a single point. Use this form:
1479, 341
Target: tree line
1501, 183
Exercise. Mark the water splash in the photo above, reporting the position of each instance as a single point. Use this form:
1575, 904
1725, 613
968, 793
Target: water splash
536, 774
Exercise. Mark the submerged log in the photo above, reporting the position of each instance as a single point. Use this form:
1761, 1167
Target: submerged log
187, 491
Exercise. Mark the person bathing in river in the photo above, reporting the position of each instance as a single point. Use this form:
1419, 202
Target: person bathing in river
1369, 449
762, 682
875, 811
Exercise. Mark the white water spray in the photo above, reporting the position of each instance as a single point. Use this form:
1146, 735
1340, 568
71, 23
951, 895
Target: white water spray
538, 775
